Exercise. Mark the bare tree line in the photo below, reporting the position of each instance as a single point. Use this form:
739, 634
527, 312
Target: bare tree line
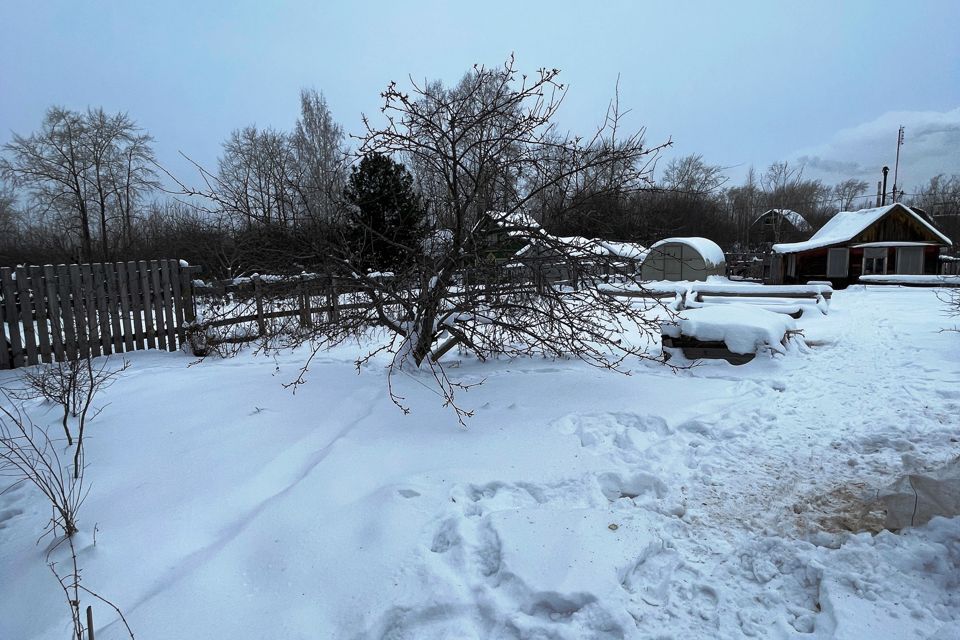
86, 187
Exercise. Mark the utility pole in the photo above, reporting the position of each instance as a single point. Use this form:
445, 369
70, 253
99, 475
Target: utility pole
896, 167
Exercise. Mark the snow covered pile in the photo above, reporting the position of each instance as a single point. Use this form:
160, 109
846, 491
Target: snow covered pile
743, 328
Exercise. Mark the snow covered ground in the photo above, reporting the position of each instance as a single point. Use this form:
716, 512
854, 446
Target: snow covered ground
714, 502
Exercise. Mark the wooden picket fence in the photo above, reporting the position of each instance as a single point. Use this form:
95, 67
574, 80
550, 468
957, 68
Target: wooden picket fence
63, 312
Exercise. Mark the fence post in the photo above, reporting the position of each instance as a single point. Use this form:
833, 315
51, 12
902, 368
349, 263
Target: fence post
333, 306
90, 623
5, 348
258, 295
306, 319
17, 356
186, 295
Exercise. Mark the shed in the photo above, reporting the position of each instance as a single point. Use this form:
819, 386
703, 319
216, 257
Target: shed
893, 239
683, 259
779, 225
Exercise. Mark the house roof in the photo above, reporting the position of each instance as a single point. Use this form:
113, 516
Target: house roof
846, 225
796, 219
580, 247
709, 250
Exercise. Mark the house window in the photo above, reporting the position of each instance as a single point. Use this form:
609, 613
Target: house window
910, 260
838, 263
874, 261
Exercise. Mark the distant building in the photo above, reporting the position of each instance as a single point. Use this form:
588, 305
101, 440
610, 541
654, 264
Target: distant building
778, 225
893, 239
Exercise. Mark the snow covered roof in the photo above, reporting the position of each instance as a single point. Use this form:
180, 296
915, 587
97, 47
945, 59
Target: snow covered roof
709, 250
628, 250
846, 225
797, 220
581, 247
515, 222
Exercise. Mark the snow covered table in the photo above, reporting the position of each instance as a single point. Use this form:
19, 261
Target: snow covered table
734, 332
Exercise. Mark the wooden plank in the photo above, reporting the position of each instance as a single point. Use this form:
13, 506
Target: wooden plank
177, 288
6, 360
157, 304
55, 310
136, 305
103, 313
13, 317
39, 288
166, 285
123, 292
113, 305
26, 316
145, 288
270, 315
89, 298
78, 309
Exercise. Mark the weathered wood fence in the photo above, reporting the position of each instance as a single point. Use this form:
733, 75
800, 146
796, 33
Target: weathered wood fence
64, 312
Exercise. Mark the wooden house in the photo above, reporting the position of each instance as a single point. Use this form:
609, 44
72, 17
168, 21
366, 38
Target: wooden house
893, 239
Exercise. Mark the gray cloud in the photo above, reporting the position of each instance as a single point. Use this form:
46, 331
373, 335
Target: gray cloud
931, 146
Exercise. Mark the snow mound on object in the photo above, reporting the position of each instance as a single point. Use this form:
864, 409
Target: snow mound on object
709, 250
743, 328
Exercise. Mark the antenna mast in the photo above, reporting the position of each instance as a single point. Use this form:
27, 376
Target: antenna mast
896, 167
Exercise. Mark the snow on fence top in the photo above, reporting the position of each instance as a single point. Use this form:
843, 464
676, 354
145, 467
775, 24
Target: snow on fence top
845, 225
709, 250
743, 328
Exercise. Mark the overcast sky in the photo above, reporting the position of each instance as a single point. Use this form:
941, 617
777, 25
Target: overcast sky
743, 83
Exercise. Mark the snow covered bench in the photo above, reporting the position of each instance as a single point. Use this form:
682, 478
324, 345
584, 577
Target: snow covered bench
819, 294
785, 299
733, 332
913, 280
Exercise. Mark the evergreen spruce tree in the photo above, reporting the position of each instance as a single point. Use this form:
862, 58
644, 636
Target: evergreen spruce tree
387, 214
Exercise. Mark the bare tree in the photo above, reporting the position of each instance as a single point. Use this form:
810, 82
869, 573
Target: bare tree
72, 386
28, 454
848, 192
254, 177
320, 157
460, 292
691, 176
86, 170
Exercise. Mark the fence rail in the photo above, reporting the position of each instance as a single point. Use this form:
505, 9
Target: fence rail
56, 313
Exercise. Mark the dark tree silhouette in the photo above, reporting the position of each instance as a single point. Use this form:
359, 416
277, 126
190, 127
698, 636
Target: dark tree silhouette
387, 215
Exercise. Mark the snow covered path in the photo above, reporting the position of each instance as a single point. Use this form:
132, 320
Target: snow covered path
712, 503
